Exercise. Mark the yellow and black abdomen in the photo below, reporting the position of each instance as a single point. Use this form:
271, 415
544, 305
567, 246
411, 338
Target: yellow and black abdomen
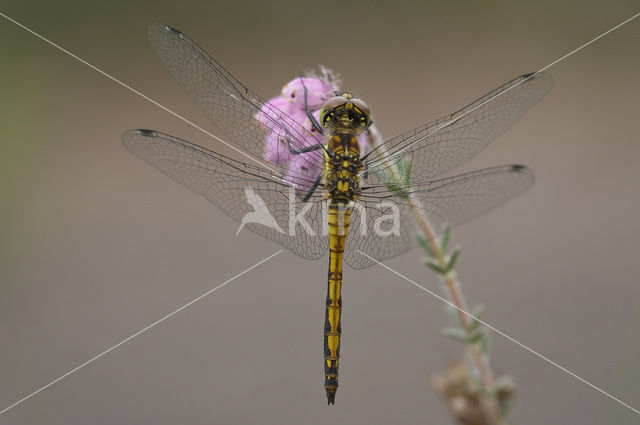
343, 187
339, 217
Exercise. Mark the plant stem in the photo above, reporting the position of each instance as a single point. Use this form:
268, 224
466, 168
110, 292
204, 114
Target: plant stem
480, 360
454, 293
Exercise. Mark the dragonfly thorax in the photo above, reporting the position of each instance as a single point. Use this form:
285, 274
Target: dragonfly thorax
343, 166
345, 114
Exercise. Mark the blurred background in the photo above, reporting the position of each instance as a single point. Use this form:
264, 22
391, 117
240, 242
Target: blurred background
95, 244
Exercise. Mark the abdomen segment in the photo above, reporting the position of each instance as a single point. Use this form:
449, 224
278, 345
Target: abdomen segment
339, 217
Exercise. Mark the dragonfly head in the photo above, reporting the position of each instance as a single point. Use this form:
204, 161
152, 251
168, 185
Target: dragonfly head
345, 113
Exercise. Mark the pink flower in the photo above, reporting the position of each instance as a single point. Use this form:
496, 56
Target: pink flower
310, 129
271, 109
363, 142
303, 172
277, 151
301, 136
317, 92
285, 119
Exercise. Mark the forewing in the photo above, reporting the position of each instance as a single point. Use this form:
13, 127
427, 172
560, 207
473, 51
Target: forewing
446, 201
442, 145
238, 189
224, 100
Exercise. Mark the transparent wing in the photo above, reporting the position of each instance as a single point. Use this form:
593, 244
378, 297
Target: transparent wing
249, 194
229, 105
446, 201
442, 145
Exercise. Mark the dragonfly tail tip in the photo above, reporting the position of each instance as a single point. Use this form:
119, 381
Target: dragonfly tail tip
331, 396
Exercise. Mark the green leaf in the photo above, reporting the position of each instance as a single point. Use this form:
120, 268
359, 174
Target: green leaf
446, 237
452, 312
475, 324
422, 241
476, 312
393, 178
452, 260
436, 267
480, 337
407, 173
398, 179
455, 333
476, 336
475, 377
484, 343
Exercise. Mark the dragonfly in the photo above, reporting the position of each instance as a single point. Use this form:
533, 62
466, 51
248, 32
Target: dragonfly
321, 187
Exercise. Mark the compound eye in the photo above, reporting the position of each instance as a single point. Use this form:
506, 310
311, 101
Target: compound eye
361, 105
329, 106
334, 102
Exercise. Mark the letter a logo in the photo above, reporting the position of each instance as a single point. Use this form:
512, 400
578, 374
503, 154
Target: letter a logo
260, 214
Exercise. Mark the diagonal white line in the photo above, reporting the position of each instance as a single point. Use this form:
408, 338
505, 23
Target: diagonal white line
114, 79
453, 121
531, 350
137, 333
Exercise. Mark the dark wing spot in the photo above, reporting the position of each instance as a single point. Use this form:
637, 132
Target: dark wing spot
147, 133
174, 32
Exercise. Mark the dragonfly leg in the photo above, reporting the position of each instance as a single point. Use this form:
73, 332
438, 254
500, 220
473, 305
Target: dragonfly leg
365, 173
307, 195
297, 151
315, 123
